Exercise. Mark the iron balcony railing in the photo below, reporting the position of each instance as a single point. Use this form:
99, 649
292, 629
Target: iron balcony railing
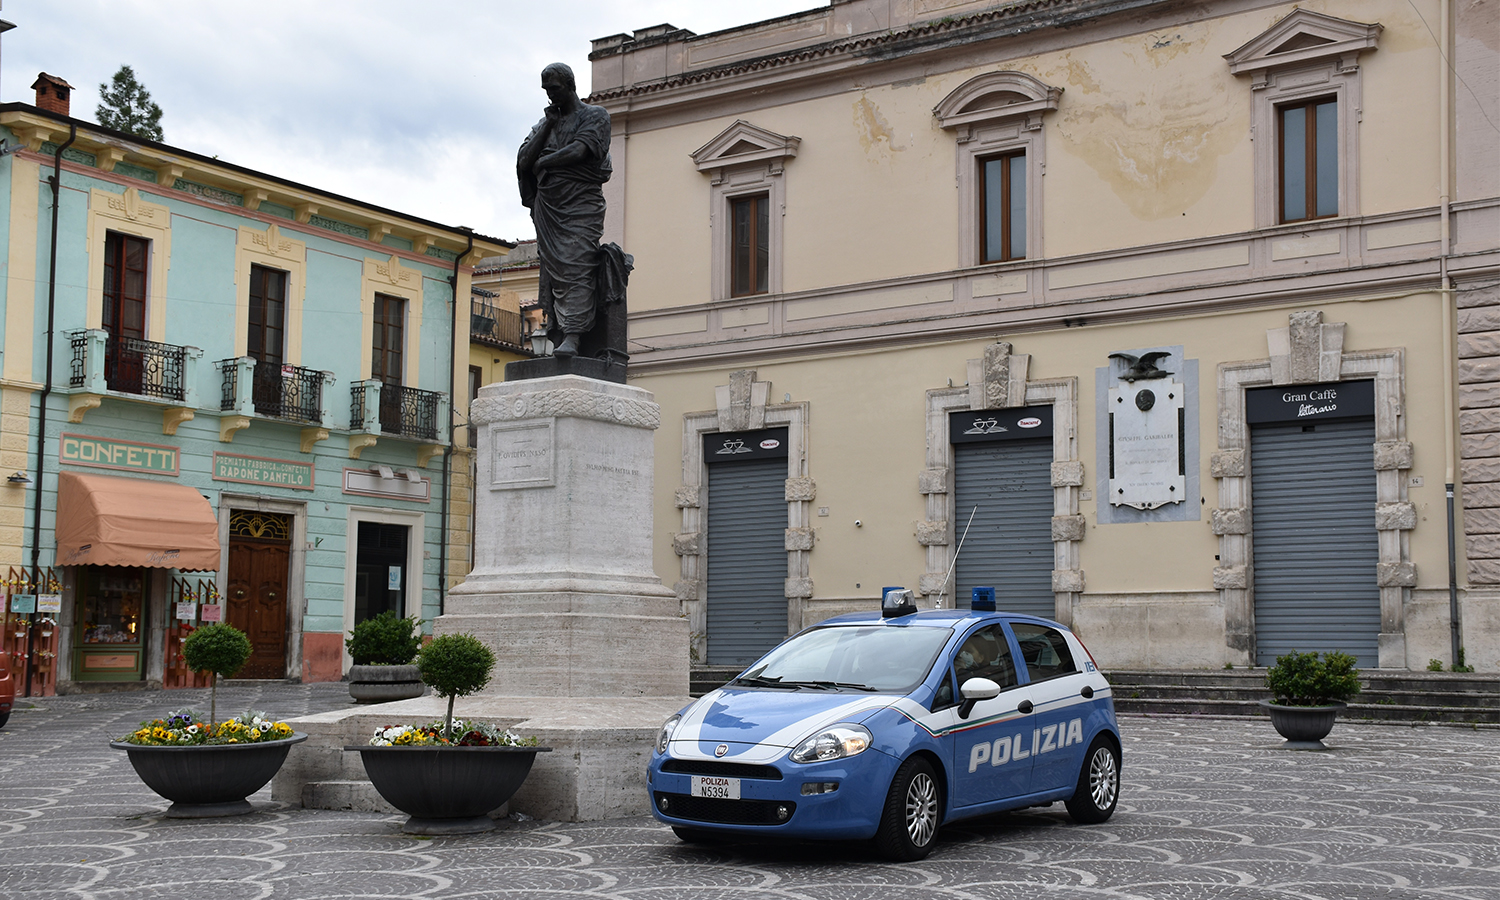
277, 391
405, 411
131, 365
492, 325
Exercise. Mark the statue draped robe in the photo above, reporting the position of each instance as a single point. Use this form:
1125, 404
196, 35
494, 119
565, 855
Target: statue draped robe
567, 208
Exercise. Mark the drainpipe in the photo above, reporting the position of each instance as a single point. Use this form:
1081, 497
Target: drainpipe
448, 449
1450, 314
41, 423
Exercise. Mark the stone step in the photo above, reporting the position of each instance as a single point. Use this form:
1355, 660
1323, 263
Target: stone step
1190, 692
702, 679
1368, 712
359, 796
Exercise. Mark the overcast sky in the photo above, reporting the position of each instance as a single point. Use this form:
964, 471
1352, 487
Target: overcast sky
417, 107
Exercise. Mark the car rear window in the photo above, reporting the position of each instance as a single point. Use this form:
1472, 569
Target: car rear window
1044, 650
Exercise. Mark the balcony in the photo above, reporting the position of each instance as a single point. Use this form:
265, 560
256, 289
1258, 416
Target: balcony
272, 390
497, 327
380, 408
105, 363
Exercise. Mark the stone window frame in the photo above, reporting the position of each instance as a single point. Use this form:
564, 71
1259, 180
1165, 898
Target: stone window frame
390, 277
128, 213
742, 161
1310, 351
999, 380
990, 115
1325, 65
742, 405
270, 249
229, 502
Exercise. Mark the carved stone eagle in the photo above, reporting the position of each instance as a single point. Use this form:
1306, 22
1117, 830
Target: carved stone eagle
1143, 367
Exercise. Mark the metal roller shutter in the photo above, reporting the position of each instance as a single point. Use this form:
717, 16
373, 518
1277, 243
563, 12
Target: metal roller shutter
1314, 541
746, 560
1009, 545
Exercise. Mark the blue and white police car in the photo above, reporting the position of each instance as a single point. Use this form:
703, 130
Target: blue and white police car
889, 724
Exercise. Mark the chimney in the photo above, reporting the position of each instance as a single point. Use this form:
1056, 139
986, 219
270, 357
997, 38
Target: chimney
52, 93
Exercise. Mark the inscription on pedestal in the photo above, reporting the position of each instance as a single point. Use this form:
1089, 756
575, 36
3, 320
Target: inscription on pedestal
522, 455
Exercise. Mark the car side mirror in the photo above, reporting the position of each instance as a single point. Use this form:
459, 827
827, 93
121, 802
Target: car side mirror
975, 690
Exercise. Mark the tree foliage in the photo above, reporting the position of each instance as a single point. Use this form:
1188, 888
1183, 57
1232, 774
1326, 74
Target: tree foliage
221, 649
126, 106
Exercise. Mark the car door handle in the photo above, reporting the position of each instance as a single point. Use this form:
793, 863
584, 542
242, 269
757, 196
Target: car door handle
1024, 706
1087, 692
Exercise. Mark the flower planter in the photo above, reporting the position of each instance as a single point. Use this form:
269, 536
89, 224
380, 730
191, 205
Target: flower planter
1304, 727
208, 780
379, 684
447, 790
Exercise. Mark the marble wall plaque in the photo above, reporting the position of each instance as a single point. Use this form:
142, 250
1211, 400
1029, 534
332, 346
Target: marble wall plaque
523, 455
1146, 464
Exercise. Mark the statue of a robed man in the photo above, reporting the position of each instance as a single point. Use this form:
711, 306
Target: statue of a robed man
562, 167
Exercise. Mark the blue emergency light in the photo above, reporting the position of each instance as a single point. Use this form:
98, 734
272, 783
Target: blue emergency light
896, 602
982, 599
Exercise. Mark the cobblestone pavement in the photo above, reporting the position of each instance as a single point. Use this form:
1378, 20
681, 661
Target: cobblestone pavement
1211, 809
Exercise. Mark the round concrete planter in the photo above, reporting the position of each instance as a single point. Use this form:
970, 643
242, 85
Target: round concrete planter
208, 779
377, 684
1304, 727
447, 790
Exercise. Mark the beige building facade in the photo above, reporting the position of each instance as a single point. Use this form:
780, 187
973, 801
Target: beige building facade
921, 263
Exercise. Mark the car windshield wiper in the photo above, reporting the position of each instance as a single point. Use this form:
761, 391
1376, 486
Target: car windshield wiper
830, 685
759, 681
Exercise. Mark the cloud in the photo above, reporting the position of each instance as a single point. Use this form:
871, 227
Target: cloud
414, 108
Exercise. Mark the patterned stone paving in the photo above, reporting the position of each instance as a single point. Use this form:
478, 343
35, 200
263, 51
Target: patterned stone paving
1211, 810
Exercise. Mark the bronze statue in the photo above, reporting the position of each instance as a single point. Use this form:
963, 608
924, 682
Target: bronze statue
562, 167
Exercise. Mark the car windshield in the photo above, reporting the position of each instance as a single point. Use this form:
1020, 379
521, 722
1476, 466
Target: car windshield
870, 658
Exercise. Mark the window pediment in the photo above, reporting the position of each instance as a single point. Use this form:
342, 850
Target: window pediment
745, 144
1304, 37
996, 96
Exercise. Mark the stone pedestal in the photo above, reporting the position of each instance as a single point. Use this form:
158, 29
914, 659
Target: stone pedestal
591, 648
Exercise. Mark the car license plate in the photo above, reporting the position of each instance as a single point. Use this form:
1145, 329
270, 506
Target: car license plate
716, 786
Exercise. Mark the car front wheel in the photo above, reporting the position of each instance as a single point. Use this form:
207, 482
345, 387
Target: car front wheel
1098, 790
909, 822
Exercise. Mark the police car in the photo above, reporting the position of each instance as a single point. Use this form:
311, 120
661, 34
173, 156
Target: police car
889, 724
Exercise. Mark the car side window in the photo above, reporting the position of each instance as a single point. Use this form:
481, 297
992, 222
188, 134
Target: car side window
985, 654
1044, 650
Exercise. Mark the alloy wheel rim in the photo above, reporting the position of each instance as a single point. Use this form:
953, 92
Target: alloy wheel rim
1104, 778
921, 809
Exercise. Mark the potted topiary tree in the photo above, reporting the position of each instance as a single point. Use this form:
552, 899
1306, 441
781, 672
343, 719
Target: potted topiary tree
209, 768
383, 648
448, 775
1307, 694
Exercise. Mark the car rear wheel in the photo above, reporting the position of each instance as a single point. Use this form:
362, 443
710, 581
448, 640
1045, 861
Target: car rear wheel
4, 717
910, 820
1098, 784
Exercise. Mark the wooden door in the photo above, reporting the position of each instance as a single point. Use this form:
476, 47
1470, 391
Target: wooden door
257, 602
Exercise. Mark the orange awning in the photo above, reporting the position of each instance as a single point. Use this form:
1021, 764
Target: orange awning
103, 521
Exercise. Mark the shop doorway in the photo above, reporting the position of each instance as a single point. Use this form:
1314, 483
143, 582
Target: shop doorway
111, 624
746, 560
380, 571
260, 546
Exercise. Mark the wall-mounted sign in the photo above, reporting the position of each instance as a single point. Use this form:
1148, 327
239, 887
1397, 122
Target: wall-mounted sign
1310, 402
48, 603
263, 471
521, 455
104, 453
395, 486
211, 612
187, 612
1146, 464
1016, 424
23, 603
737, 446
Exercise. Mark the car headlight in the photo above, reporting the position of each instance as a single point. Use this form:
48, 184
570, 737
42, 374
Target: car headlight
667, 728
838, 742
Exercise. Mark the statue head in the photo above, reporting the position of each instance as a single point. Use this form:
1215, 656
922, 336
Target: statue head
558, 82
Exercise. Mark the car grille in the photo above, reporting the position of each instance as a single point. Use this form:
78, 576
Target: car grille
724, 812
726, 769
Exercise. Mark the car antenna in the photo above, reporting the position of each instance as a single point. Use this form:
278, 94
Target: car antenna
943, 591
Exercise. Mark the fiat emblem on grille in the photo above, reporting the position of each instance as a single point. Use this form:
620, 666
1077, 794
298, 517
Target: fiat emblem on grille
721, 750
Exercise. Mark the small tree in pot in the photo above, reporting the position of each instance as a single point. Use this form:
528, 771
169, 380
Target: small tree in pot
1307, 694
220, 649
455, 665
382, 649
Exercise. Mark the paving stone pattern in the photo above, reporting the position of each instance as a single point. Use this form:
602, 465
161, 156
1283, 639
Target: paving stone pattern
1211, 810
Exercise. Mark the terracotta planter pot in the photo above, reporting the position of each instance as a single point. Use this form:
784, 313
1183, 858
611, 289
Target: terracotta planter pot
1304, 727
378, 684
208, 779
447, 790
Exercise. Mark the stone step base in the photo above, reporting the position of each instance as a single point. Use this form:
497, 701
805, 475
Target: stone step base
359, 796
1369, 712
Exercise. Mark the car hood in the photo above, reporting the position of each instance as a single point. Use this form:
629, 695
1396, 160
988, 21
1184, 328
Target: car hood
760, 725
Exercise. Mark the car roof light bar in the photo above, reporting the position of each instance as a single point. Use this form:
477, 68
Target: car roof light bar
896, 602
